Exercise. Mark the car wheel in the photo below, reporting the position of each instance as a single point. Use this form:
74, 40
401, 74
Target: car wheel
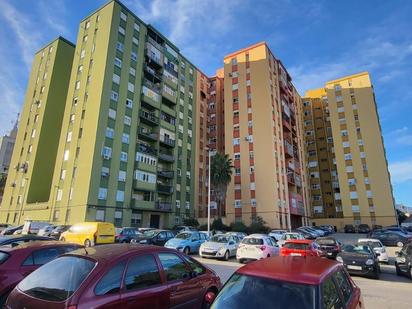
376, 274
410, 272
208, 298
87, 243
186, 250
226, 256
399, 244
398, 270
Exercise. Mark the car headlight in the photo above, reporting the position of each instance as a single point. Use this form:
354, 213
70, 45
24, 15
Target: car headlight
339, 259
369, 262
222, 249
144, 241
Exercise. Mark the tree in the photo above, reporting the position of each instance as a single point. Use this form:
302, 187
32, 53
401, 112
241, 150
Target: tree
218, 225
220, 177
401, 216
191, 222
238, 227
258, 225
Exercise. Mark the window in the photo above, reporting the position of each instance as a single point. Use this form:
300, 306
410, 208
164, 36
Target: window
348, 156
77, 85
123, 156
235, 86
109, 132
125, 138
345, 144
122, 31
353, 195
129, 103
130, 87
82, 54
112, 113
237, 156
331, 297
105, 171
111, 281
236, 141
122, 176
360, 142
117, 62
116, 79
136, 27
107, 152
174, 267
238, 204
127, 120
66, 155
119, 46
369, 194
119, 196
132, 71
41, 257
344, 133
142, 272
341, 109
102, 195
351, 181
133, 56
114, 96
349, 169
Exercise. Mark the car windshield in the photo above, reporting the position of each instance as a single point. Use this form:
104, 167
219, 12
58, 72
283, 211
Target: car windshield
252, 241
244, 291
326, 241
219, 238
372, 244
296, 246
363, 249
290, 236
183, 235
150, 233
58, 279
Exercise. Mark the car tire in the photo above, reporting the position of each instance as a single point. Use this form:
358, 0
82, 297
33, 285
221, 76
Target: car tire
206, 304
410, 272
398, 270
226, 256
376, 274
87, 243
186, 250
240, 261
399, 244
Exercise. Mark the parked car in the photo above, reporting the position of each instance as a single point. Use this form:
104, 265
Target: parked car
118, 276
16, 240
363, 228
396, 228
183, 228
391, 238
144, 229
239, 235
18, 262
299, 247
277, 234
359, 260
376, 227
317, 230
89, 233
377, 246
46, 230
187, 242
403, 261
276, 283
307, 234
349, 228
33, 227
153, 237
330, 246
221, 246
328, 229
126, 234
58, 230
10, 230
289, 236
256, 247
313, 233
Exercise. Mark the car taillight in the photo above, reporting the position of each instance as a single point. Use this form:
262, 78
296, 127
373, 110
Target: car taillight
72, 307
263, 248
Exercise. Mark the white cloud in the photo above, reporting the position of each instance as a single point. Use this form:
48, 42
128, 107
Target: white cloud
401, 171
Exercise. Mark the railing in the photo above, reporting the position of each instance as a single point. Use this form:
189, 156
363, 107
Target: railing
169, 157
166, 174
147, 133
146, 149
165, 189
288, 148
163, 206
168, 141
152, 72
155, 87
155, 44
149, 116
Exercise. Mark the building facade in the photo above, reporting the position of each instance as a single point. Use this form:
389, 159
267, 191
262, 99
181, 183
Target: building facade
263, 136
6, 149
124, 152
349, 178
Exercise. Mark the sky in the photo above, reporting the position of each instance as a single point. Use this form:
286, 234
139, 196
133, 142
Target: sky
316, 40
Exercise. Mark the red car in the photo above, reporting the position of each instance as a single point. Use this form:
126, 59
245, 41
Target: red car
290, 282
301, 247
19, 261
118, 276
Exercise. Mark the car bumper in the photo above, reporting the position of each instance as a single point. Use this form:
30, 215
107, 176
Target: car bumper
331, 254
212, 254
403, 267
176, 248
364, 271
249, 256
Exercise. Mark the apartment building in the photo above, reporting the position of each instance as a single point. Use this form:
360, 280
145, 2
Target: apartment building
29, 185
124, 152
347, 166
6, 149
263, 136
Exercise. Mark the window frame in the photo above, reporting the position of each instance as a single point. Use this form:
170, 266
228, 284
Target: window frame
124, 289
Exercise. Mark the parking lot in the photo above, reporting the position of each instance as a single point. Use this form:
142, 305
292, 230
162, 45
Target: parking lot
390, 291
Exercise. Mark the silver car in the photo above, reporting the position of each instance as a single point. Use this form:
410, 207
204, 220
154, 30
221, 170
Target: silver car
289, 236
220, 246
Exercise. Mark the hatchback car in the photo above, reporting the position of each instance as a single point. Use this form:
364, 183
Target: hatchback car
126, 234
329, 245
289, 236
18, 262
377, 246
15, 240
118, 276
256, 247
359, 260
277, 234
391, 238
363, 228
349, 228
290, 282
403, 261
187, 242
153, 237
301, 248
221, 246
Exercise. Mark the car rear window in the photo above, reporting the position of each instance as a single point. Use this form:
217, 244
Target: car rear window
252, 241
243, 291
326, 241
3, 257
58, 279
296, 246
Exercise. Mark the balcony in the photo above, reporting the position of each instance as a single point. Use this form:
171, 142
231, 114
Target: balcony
291, 177
168, 142
163, 206
166, 157
298, 181
169, 79
286, 124
145, 186
164, 189
153, 59
148, 117
170, 96
288, 149
152, 73
168, 110
141, 166
150, 94
166, 174
143, 205
147, 134
146, 149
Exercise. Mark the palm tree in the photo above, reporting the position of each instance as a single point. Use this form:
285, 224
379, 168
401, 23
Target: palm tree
221, 175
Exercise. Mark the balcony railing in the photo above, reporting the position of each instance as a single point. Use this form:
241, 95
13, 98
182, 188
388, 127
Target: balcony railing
288, 149
149, 117
163, 206
155, 87
167, 141
143, 132
153, 72
165, 156
291, 177
165, 174
146, 149
164, 189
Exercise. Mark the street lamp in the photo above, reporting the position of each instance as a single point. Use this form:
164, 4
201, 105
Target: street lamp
210, 152
289, 220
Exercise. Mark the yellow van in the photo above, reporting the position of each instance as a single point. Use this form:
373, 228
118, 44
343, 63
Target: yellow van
90, 233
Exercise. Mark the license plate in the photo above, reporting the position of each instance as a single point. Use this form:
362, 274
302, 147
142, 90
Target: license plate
296, 254
354, 267
329, 253
207, 250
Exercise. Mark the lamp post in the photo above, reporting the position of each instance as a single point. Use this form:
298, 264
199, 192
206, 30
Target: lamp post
289, 219
209, 153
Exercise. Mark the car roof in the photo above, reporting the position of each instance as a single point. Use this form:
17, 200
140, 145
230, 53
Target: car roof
111, 251
37, 244
368, 239
257, 236
300, 241
24, 236
296, 269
